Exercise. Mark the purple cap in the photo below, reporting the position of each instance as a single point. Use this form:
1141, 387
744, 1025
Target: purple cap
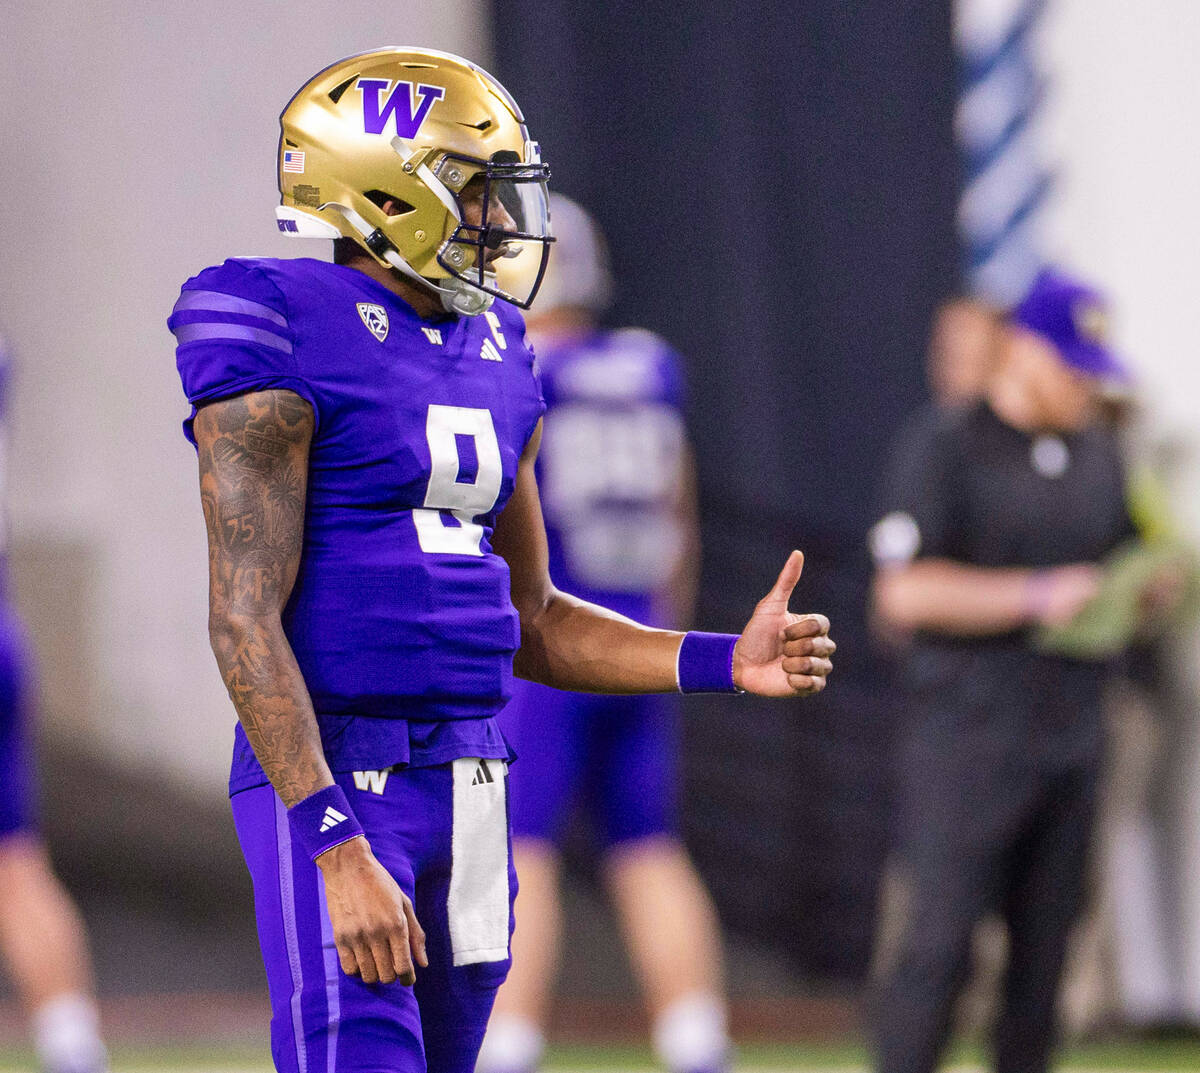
1073, 318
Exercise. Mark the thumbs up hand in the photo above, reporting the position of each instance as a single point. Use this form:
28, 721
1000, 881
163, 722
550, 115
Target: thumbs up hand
781, 654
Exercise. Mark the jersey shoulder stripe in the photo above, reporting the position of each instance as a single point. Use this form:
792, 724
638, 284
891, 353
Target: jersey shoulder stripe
220, 302
222, 332
234, 333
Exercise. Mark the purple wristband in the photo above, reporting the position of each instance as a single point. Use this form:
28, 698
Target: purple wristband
1036, 598
706, 663
323, 820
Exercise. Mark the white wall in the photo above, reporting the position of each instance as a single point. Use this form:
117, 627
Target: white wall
140, 147
1124, 129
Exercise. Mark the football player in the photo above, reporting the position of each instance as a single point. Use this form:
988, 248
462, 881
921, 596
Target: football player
617, 491
41, 934
367, 431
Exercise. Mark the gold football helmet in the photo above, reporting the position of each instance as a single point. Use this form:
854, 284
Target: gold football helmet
413, 127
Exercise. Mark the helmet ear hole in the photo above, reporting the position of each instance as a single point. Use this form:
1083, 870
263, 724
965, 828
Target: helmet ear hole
379, 198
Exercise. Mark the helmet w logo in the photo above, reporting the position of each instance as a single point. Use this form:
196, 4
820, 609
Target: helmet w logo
407, 104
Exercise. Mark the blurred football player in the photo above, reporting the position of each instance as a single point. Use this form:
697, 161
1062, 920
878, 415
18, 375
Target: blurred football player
619, 502
41, 934
367, 432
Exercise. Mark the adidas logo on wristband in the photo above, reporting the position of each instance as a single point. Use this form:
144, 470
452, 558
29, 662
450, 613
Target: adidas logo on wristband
323, 820
331, 819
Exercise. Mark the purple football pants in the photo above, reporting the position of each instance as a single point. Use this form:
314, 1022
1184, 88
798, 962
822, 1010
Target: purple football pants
324, 1021
17, 782
617, 756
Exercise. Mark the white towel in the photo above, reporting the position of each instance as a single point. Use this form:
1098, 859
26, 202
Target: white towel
478, 903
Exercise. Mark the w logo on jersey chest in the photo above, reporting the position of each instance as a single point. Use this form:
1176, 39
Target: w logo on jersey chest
375, 318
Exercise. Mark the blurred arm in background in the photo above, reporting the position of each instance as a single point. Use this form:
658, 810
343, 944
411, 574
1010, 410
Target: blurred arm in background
944, 596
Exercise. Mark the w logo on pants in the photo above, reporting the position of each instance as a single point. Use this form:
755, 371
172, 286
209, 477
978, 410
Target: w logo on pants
375, 781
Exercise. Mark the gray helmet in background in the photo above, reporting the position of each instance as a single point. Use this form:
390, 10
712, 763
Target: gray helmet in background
578, 274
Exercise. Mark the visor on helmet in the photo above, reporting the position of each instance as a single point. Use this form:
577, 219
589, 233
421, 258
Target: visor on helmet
505, 253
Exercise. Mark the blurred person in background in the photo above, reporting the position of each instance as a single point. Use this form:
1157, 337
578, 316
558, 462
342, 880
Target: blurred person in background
42, 937
963, 347
367, 432
618, 494
996, 519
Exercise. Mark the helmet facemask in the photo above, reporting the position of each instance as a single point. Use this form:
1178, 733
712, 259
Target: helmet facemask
514, 219
506, 252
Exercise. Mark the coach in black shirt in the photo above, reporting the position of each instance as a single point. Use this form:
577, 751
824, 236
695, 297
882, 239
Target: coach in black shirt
995, 518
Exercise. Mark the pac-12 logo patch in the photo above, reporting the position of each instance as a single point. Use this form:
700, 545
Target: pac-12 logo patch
375, 318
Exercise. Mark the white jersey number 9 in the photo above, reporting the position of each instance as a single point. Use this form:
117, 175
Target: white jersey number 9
465, 500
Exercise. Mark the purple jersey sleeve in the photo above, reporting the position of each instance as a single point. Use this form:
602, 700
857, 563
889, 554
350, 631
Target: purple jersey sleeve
671, 378
234, 336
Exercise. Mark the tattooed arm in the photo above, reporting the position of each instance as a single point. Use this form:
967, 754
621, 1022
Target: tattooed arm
253, 481
253, 475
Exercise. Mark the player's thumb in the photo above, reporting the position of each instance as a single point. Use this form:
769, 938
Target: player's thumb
788, 576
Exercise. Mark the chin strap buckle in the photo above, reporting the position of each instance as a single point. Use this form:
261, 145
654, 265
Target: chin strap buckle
378, 243
460, 297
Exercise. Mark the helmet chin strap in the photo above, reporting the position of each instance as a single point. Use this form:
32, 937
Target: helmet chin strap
456, 295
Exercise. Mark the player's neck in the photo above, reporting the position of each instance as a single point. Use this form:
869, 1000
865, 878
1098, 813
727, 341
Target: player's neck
424, 303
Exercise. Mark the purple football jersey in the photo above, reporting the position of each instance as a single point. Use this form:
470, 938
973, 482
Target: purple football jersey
401, 610
610, 466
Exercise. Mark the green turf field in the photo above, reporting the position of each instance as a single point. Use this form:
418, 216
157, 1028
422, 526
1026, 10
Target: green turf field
1109, 1058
